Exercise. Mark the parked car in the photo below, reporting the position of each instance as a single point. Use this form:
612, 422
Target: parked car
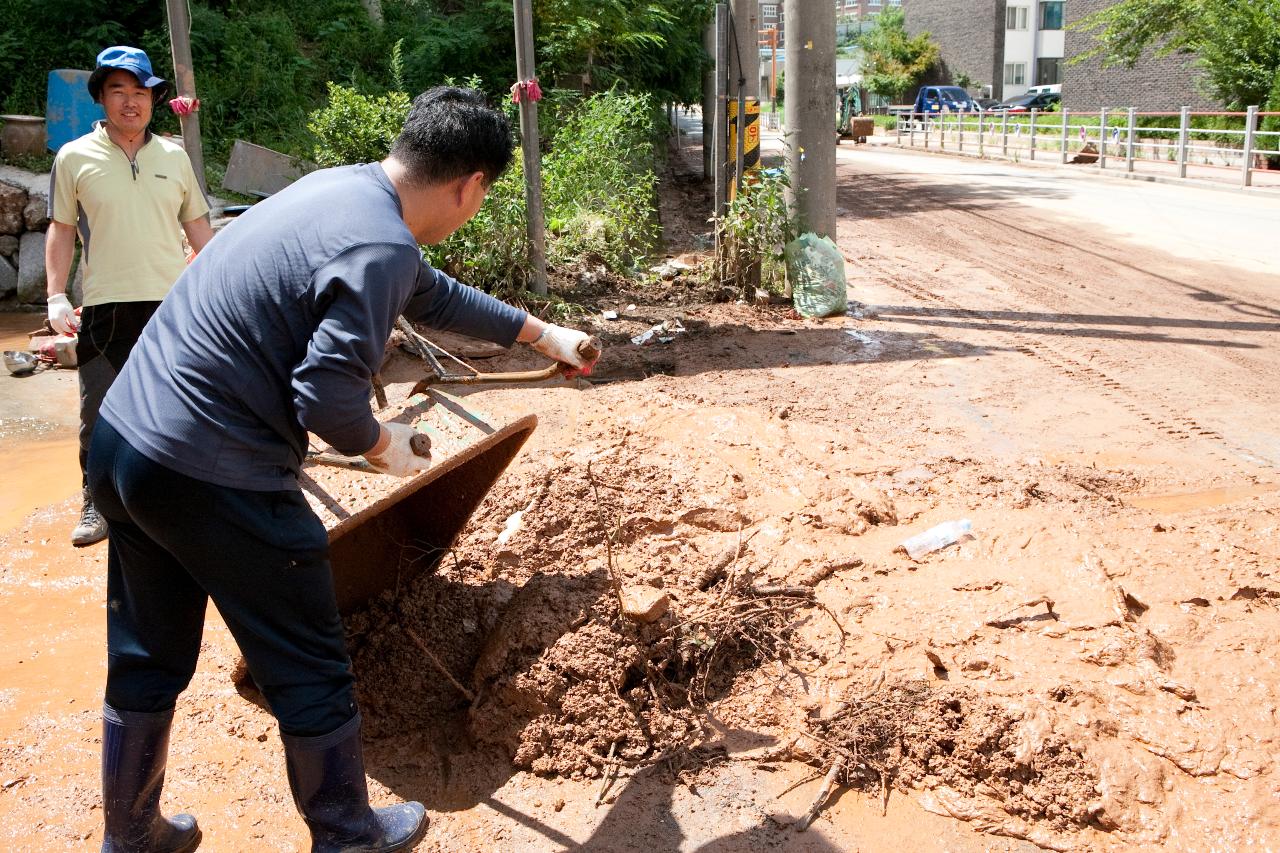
986, 103
1026, 103
1050, 88
935, 100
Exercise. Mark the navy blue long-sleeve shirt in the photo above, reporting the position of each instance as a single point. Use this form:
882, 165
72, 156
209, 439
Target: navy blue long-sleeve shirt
276, 329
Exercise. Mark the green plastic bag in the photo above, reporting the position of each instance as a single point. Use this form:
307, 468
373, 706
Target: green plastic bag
816, 270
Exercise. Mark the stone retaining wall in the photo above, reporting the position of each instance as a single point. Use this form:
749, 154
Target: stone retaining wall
24, 205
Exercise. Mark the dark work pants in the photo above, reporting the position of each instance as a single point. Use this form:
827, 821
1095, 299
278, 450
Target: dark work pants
175, 542
107, 335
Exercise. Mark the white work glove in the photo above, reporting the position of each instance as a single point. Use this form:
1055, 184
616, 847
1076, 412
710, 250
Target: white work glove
398, 459
562, 344
62, 316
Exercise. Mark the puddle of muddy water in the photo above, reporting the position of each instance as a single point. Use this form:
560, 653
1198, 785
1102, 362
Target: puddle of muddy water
36, 473
1188, 501
14, 329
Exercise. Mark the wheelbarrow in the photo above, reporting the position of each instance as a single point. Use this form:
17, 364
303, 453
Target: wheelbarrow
384, 531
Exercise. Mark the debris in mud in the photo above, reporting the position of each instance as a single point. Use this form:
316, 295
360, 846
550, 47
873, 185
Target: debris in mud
971, 753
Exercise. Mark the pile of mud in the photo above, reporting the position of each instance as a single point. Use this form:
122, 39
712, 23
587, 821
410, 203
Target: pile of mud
521, 627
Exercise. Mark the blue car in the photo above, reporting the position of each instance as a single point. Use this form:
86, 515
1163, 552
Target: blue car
935, 100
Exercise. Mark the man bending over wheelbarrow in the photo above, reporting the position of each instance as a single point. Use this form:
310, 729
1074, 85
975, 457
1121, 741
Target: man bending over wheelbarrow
274, 331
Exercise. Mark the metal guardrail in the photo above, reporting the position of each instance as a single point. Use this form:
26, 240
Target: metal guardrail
1133, 136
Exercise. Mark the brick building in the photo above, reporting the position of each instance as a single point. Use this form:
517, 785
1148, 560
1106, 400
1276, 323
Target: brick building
970, 34
1166, 83
1009, 45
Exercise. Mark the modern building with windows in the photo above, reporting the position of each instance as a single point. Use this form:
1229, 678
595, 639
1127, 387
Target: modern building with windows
1034, 45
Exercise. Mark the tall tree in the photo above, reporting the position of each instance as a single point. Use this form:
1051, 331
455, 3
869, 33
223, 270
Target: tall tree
892, 61
647, 45
1236, 42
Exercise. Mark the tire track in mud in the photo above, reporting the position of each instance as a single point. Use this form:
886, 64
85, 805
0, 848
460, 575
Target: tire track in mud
1071, 361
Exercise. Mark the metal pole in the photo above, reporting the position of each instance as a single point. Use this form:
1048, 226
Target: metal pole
529, 144
1033, 134
1128, 153
980, 135
811, 71
180, 46
1184, 132
1102, 139
1064, 135
1251, 118
720, 136
1004, 133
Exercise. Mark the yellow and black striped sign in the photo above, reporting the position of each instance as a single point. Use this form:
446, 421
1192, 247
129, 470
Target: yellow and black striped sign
750, 137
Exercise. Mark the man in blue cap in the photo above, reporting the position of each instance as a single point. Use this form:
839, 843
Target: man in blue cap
130, 195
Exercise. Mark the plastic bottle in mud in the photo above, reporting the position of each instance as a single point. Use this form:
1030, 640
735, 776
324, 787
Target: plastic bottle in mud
937, 537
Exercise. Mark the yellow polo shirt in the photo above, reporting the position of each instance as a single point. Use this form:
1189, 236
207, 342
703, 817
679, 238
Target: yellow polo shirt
128, 215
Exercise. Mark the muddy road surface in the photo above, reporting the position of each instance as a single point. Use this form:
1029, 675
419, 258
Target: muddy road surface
1091, 669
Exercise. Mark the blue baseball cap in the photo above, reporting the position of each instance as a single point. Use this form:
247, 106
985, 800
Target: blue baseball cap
123, 58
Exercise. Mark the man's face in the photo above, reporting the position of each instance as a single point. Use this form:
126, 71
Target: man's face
126, 102
469, 196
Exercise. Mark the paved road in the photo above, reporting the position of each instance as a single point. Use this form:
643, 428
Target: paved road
1121, 315
1237, 229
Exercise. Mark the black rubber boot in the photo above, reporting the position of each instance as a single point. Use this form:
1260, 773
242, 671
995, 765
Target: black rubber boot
326, 774
135, 748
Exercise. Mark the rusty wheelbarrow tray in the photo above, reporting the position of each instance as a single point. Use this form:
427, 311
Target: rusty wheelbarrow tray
384, 531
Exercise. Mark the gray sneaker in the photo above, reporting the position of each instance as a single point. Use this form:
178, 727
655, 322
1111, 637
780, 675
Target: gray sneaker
92, 527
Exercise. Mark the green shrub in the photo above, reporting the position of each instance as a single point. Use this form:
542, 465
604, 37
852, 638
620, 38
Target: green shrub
755, 230
355, 128
1271, 124
600, 183
598, 192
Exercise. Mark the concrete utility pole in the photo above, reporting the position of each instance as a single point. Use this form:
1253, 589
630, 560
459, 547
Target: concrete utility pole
810, 113
529, 144
709, 100
180, 46
720, 118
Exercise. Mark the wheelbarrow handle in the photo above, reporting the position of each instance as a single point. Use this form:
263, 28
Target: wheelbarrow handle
589, 349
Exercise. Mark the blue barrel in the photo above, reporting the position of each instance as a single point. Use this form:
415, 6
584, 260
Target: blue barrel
69, 111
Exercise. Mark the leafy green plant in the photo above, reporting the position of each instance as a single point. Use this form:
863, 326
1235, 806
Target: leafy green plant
593, 205
355, 128
754, 231
492, 250
894, 61
603, 204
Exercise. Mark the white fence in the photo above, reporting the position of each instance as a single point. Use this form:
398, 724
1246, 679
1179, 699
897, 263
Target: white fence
1137, 141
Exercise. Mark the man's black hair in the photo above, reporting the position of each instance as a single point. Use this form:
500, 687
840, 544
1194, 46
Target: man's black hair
451, 133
